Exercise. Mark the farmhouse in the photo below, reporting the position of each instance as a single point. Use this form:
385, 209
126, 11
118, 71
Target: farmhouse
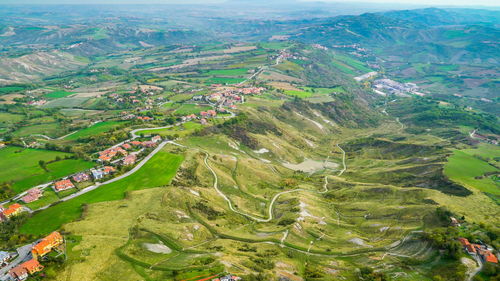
481, 250
63, 185
32, 195
2, 145
22, 271
47, 244
13, 210
156, 139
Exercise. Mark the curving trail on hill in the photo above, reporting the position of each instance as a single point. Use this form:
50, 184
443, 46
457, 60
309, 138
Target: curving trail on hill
275, 197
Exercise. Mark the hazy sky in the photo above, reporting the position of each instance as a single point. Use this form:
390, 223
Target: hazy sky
422, 2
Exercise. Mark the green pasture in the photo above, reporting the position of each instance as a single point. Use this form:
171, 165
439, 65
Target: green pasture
21, 167
58, 94
158, 171
463, 167
95, 129
228, 72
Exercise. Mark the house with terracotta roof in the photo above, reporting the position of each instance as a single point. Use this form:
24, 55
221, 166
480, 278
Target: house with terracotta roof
32, 195
47, 244
63, 185
32, 266
108, 170
488, 256
126, 146
13, 210
18, 273
135, 143
129, 160
156, 139
22, 271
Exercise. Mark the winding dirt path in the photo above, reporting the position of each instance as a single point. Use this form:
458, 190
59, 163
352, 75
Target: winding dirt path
275, 197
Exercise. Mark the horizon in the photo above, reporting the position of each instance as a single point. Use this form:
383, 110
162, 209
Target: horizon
403, 3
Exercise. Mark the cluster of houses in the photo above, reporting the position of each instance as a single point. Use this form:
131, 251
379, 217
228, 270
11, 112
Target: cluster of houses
36, 102
228, 277
108, 154
384, 86
482, 251
51, 242
126, 116
483, 138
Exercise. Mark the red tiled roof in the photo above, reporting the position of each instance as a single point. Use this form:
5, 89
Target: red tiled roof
463, 241
12, 209
490, 257
32, 266
63, 184
47, 243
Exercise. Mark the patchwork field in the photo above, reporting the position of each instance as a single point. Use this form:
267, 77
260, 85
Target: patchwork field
21, 166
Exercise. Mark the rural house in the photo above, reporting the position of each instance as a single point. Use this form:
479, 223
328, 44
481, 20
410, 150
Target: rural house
32, 195
13, 210
22, 271
47, 244
130, 160
63, 185
81, 177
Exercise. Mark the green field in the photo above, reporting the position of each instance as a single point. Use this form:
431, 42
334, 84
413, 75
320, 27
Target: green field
10, 118
353, 63
274, 45
186, 129
22, 167
65, 102
187, 109
157, 172
463, 167
8, 90
95, 129
48, 129
225, 80
57, 94
228, 72
300, 94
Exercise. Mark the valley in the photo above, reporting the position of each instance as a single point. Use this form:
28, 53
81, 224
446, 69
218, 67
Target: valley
326, 152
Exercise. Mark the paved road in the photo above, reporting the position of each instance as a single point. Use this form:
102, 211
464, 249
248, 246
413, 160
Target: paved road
24, 254
97, 185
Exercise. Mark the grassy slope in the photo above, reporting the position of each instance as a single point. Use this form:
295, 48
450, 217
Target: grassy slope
94, 129
463, 167
23, 168
157, 172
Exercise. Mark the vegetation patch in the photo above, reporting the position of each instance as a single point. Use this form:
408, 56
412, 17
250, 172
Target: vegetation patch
158, 171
